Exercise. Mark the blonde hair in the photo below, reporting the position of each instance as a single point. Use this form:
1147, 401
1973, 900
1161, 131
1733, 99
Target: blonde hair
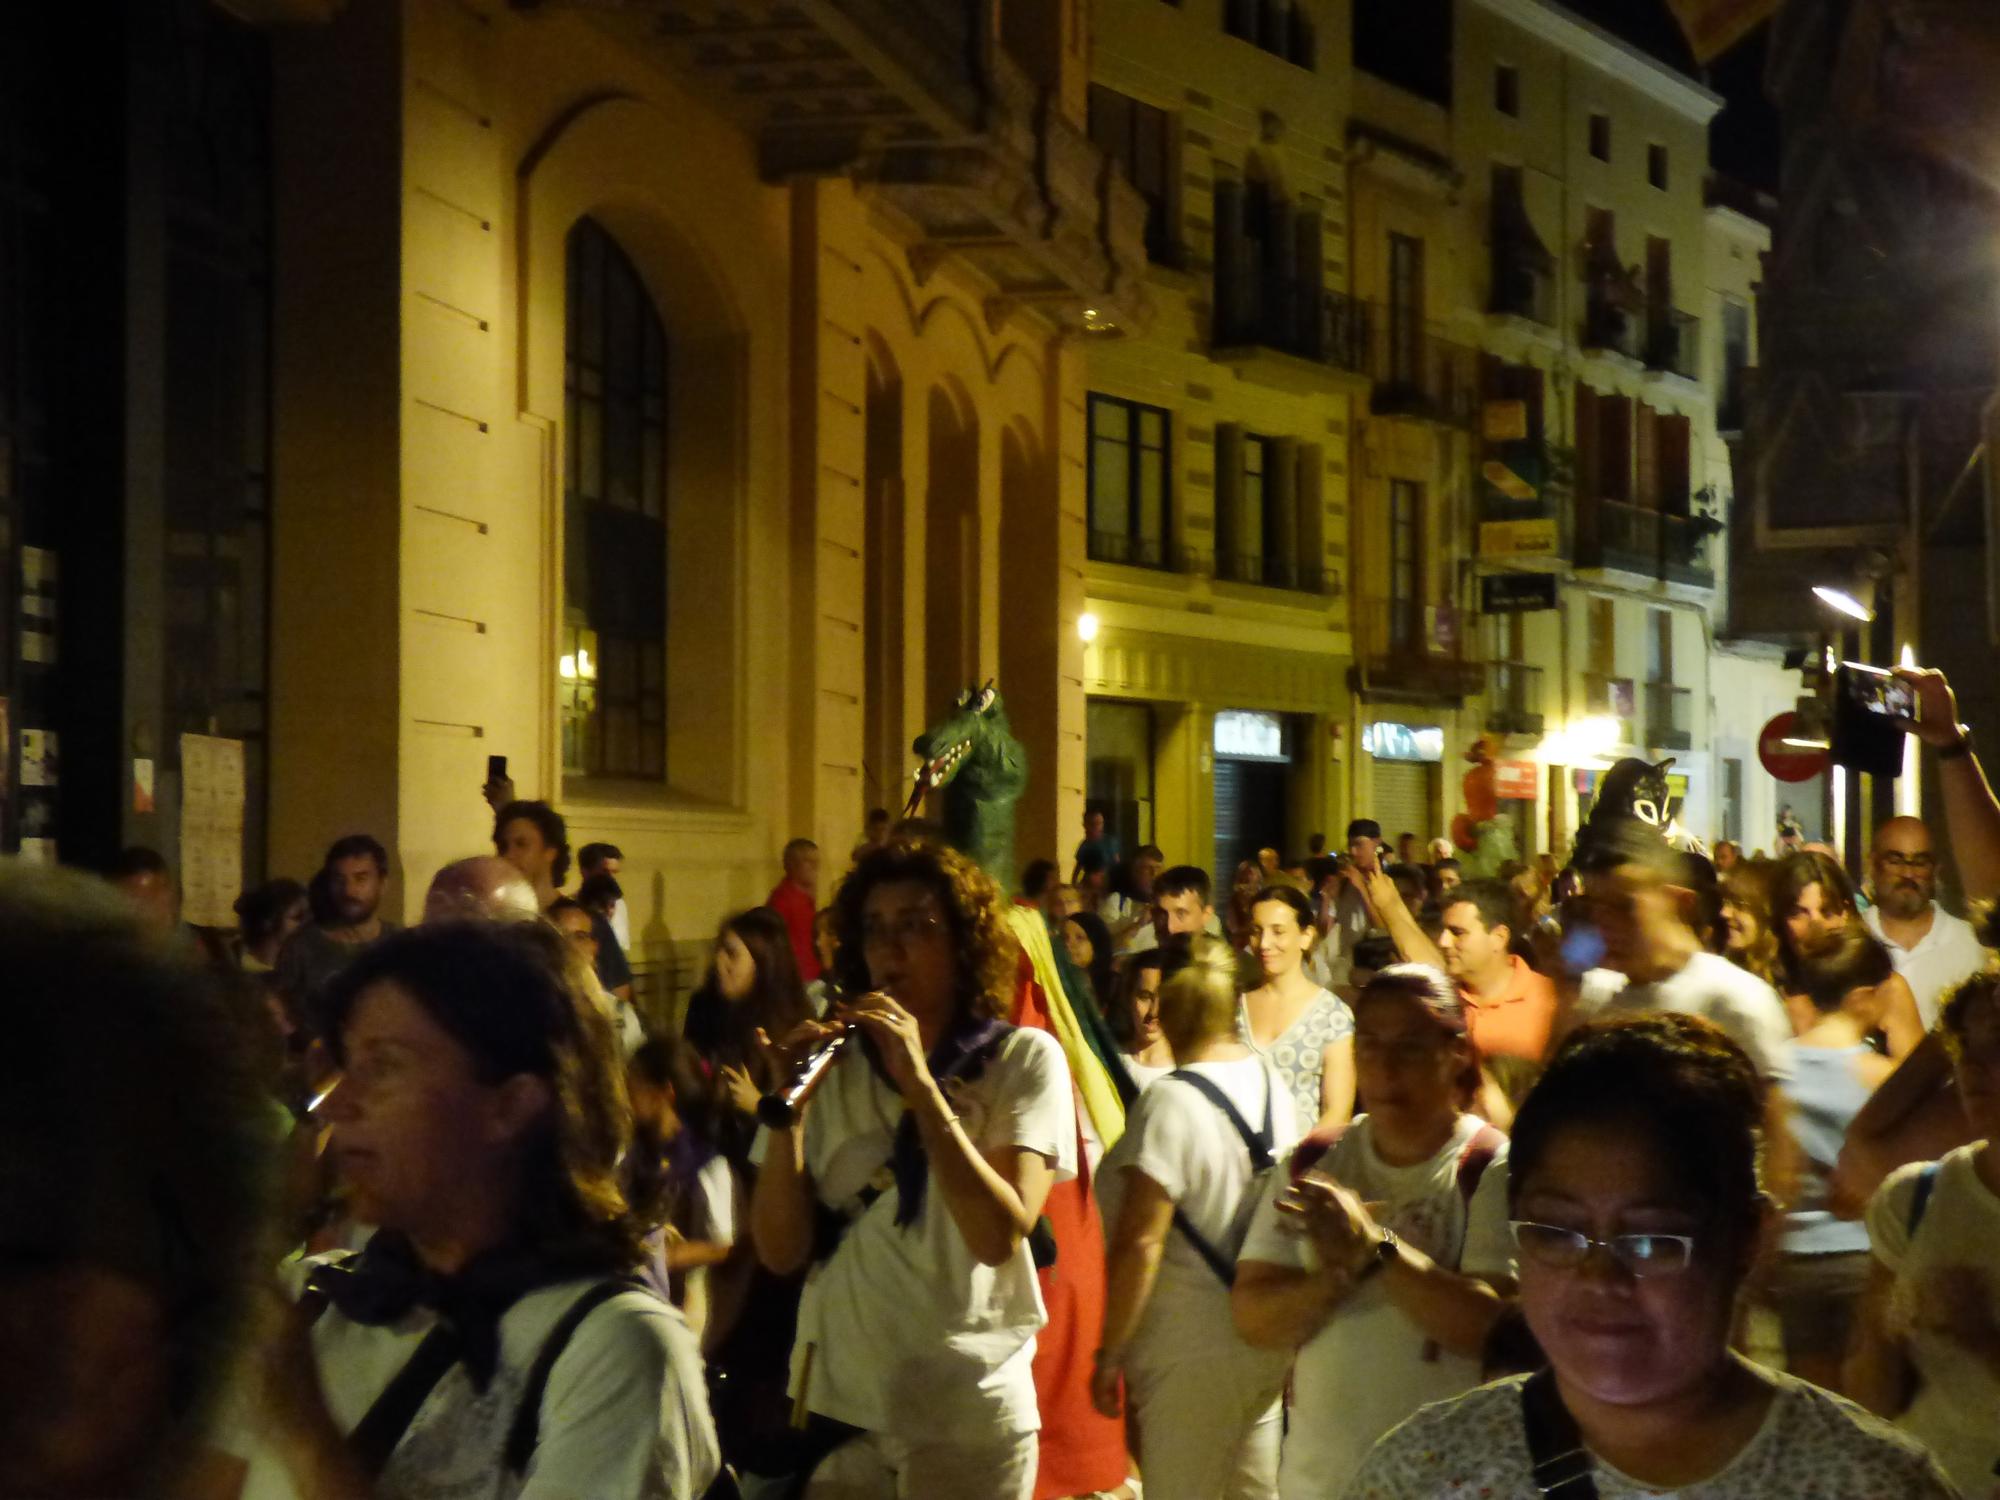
1198, 999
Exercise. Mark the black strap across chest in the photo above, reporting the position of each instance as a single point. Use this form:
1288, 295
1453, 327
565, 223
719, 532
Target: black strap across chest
1257, 1143
1562, 1465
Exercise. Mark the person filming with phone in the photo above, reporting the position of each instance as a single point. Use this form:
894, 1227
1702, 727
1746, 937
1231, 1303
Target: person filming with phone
910, 1182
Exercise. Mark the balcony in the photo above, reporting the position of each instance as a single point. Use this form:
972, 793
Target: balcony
1258, 315
1673, 345
1419, 374
1513, 698
1131, 551
1522, 290
1276, 573
1415, 650
1669, 716
1609, 327
1610, 698
918, 101
1663, 545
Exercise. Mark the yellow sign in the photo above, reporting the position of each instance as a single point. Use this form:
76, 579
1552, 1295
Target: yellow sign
1517, 538
1505, 421
1506, 481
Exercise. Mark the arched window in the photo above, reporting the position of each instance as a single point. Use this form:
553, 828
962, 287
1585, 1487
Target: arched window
613, 663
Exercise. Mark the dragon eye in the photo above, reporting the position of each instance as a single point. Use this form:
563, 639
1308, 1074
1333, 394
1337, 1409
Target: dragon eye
985, 699
965, 698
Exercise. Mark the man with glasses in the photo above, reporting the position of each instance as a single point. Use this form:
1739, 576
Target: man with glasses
1931, 948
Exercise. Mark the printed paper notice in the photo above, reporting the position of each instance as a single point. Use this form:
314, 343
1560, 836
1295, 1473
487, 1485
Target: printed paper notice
211, 829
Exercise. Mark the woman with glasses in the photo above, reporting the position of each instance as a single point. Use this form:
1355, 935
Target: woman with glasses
910, 1184
1637, 1216
1929, 1350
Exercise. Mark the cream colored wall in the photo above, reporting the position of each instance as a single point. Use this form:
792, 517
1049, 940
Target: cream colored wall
1192, 645
420, 405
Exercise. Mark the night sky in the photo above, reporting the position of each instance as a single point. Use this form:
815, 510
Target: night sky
1744, 143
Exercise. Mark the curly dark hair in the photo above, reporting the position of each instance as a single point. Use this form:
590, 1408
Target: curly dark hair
548, 822
1678, 1081
518, 997
984, 952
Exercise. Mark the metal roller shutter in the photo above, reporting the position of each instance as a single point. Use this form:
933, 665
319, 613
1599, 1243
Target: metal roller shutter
1401, 800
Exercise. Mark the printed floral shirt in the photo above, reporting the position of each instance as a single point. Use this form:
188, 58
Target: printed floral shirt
1813, 1446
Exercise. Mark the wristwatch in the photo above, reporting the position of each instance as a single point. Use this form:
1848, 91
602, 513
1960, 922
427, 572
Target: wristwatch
1387, 1249
1958, 747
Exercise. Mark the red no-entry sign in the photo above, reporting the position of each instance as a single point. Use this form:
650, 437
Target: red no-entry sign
1787, 762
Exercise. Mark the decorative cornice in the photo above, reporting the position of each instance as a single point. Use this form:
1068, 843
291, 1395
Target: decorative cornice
1598, 47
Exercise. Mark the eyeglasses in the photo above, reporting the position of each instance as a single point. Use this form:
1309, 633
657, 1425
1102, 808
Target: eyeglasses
1897, 861
902, 931
1566, 1249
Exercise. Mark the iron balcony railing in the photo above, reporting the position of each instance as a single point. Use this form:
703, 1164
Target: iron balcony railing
1513, 697
1673, 344
1669, 716
1415, 647
1419, 373
1293, 315
1131, 551
1276, 573
1521, 290
1638, 539
1607, 697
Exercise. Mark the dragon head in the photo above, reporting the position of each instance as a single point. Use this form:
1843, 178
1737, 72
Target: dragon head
972, 745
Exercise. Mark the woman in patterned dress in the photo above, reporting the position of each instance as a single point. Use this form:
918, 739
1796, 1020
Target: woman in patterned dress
1301, 1029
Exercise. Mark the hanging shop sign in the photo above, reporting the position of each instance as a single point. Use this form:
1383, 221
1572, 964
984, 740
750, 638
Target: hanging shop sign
1516, 593
1388, 740
1534, 538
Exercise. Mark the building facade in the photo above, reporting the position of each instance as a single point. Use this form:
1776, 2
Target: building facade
652, 397
1533, 322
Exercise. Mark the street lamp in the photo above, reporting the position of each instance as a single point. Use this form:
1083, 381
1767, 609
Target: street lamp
1843, 602
1086, 627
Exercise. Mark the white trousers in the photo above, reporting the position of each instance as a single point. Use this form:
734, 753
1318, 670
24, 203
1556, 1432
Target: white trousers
875, 1466
1206, 1429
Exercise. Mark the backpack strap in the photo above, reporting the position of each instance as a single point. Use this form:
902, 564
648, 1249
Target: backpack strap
1261, 1160
382, 1426
525, 1432
1927, 1178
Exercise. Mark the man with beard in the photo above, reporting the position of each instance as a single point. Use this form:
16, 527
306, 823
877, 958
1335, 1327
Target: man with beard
1932, 949
350, 922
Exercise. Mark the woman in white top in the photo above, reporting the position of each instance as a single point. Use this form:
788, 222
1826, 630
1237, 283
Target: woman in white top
1300, 1028
1637, 1215
911, 1186
1928, 1354
1177, 1191
1134, 1018
490, 1340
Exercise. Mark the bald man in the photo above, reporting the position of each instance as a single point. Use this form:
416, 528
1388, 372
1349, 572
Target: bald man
482, 888
1931, 948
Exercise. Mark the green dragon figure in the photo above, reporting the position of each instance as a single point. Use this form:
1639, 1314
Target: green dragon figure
973, 755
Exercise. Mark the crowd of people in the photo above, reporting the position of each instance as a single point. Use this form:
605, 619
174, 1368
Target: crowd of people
1655, 1173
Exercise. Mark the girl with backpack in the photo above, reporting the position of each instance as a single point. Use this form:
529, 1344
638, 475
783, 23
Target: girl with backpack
1201, 1405
1381, 1251
1928, 1353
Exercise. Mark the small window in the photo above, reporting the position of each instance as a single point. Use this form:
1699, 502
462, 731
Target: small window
1127, 482
1600, 137
1656, 166
1507, 90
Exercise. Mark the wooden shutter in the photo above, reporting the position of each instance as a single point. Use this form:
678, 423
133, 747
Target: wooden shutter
1646, 447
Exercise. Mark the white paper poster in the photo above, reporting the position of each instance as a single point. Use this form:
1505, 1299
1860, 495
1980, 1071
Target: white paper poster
211, 829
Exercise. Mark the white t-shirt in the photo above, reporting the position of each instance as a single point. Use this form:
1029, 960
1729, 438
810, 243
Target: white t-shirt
624, 1415
1366, 1370
909, 1334
1948, 953
1956, 1410
1813, 1445
1711, 987
1143, 1075
1177, 1137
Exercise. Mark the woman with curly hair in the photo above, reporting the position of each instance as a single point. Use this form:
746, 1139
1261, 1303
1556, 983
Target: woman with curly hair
911, 1183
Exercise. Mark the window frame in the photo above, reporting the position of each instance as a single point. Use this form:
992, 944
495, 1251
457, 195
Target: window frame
612, 681
1135, 452
1598, 141
1507, 90
1659, 170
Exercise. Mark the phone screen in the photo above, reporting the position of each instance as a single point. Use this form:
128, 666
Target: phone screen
496, 768
1879, 692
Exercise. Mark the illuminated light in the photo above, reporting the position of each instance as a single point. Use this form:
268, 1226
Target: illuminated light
1791, 744
585, 667
1844, 602
1594, 736
567, 668
1839, 780
1086, 627
1909, 786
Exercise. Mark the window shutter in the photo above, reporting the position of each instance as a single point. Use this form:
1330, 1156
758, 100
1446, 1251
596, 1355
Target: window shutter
1228, 486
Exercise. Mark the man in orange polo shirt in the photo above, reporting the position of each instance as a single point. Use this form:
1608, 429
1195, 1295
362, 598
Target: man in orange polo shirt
1509, 1008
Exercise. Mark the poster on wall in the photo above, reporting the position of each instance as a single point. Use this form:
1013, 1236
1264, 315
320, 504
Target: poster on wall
211, 829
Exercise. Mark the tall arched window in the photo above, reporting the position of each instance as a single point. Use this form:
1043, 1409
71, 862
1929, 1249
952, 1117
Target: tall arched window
613, 663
